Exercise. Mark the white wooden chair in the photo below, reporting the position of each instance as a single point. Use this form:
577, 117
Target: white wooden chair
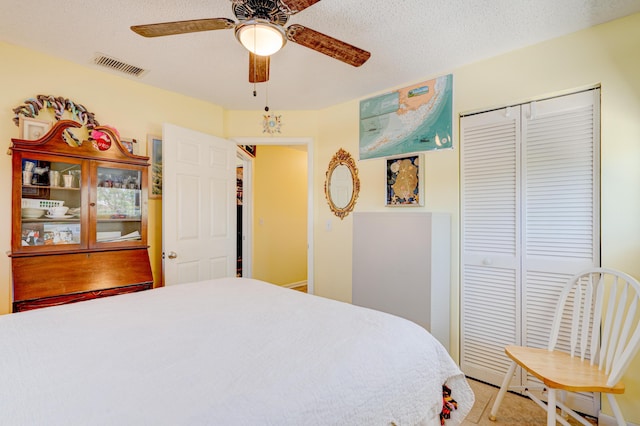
599, 311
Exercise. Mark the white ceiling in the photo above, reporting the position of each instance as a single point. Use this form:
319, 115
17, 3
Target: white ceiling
409, 41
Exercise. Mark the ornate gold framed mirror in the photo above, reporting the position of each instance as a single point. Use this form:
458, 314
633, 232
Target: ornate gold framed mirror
342, 185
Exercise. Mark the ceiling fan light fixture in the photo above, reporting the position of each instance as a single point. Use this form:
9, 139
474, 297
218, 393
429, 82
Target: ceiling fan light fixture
261, 37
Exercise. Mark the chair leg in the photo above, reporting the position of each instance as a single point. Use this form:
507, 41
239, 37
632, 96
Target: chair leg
616, 409
551, 407
563, 399
502, 391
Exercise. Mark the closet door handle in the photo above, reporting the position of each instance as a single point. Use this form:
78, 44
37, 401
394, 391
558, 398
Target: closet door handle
172, 255
487, 261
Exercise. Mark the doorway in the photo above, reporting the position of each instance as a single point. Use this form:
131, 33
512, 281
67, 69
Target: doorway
247, 237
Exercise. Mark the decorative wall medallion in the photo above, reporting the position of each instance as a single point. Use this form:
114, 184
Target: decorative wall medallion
271, 123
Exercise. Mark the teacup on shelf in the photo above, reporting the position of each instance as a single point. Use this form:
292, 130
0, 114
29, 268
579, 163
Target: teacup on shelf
57, 211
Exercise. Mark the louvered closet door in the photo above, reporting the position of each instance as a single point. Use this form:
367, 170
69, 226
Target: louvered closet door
529, 220
560, 175
490, 258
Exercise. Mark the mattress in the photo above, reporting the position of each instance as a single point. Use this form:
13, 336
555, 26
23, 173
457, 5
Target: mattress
232, 351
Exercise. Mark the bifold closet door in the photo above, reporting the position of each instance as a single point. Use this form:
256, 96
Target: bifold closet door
490, 233
529, 220
560, 211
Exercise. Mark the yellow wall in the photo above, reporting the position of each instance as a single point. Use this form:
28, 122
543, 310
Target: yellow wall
332, 248
280, 214
606, 55
133, 108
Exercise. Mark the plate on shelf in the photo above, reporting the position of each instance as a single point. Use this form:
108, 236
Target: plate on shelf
66, 216
33, 216
32, 213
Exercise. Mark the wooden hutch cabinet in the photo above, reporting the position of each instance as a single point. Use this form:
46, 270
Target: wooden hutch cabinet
79, 220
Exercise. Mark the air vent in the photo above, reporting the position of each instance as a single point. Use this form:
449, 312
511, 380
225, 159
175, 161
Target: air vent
118, 65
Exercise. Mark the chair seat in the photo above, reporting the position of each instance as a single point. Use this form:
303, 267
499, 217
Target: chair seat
559, 370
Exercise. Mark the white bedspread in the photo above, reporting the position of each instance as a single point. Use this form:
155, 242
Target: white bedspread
222, 352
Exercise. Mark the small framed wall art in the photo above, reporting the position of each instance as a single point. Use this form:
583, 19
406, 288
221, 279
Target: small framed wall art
32, 129
405, 185
154, 151
131, 145
249, 149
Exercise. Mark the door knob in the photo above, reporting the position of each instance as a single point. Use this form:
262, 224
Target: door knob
172, 255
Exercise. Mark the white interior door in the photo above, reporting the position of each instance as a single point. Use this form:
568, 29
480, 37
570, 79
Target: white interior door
198, 205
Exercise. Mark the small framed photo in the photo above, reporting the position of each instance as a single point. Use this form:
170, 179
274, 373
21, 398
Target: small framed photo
249, 149
59, 233
32, 129
32, 234
131, 145
405, 186
154, 151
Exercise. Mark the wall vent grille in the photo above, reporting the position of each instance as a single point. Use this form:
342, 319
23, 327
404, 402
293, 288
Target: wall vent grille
117, 65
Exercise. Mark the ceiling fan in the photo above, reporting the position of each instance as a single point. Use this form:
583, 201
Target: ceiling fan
260, 29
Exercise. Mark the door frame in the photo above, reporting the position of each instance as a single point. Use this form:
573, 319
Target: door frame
247, 212
247, 193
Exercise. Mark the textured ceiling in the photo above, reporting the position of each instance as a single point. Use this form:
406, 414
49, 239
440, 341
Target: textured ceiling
409, 40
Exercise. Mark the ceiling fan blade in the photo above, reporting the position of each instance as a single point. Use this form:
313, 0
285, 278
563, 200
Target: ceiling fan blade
182, 27
291, 7
258, 68
328, 45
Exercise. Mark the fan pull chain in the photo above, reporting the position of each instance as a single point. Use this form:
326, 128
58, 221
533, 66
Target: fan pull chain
266, 107
255, 92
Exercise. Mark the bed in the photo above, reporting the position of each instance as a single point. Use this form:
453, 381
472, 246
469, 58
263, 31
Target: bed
231, 351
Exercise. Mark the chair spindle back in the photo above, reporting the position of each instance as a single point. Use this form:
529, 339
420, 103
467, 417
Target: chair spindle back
601, 306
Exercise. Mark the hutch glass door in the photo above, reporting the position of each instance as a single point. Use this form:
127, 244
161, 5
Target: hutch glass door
51, 200
119, 209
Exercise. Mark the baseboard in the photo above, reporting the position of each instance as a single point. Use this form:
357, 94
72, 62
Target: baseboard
606, 420
294, 285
